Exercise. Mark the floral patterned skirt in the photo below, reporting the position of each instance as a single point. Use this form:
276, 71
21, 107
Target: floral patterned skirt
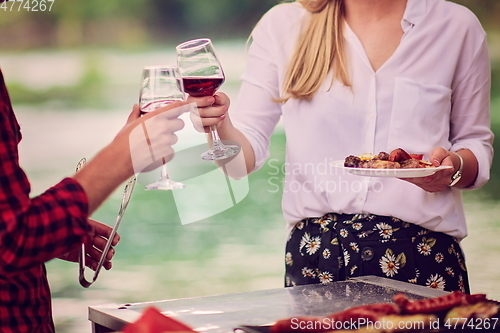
338, 246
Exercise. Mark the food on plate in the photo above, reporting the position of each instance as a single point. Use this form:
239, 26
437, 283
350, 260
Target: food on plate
441, 314
311, 324
368, 311
481, 310
396, 159
436, 304
406, 323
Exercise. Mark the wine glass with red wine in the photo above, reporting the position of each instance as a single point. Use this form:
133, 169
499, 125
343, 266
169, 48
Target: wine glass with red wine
160, 86
202, 75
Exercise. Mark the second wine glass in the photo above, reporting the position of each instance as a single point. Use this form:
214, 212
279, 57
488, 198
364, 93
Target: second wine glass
202, 75
160, 86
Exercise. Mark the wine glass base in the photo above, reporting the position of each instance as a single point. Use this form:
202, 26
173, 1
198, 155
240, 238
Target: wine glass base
219, 154
165, 184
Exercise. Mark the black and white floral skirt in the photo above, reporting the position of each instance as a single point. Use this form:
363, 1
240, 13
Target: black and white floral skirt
338, 246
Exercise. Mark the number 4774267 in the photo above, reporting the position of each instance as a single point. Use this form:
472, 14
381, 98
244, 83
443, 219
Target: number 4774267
27, 5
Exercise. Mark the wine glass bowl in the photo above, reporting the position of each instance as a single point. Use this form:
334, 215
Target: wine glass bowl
199, 87
160, 86
202, 75
201, 72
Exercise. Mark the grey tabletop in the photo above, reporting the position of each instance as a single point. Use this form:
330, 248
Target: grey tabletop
223, 313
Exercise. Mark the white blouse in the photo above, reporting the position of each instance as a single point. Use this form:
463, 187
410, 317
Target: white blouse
432, 92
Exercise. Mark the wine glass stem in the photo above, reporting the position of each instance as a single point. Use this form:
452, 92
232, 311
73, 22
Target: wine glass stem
215, 135
164, 171
217, 144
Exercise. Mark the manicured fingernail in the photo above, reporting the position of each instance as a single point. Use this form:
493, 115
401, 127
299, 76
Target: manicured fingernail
210, 99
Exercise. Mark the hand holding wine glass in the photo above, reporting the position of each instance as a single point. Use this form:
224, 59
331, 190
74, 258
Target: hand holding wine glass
160, 86
202, 75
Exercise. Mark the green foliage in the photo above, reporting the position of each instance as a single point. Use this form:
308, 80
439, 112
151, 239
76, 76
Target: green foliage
223, 19
487, 11
87, 92
495, 83
491, 191
73, 23
118, 23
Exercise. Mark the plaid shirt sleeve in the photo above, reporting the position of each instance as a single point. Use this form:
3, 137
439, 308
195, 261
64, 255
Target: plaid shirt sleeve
33, 230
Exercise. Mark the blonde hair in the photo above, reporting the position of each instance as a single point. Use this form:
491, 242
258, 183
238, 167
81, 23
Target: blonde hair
320, 49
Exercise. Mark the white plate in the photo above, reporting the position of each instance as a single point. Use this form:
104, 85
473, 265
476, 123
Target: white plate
398, 173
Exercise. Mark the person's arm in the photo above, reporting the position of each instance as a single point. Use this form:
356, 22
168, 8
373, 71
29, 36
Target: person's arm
36, 230
129, 152
440, 181
252, 121
470, 133
213, 111
469, 166
94, 246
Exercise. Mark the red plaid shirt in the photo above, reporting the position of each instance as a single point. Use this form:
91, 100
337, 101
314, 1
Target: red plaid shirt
32, 232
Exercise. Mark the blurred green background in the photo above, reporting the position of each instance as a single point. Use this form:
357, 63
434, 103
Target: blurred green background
73, 74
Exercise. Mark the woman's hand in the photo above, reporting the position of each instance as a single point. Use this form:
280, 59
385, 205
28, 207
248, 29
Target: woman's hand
212, 111
439, 181
94, 246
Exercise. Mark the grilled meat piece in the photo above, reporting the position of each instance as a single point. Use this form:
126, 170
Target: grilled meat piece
379, 164
398, 158
352, 161
409, 164
398, 155
383, 156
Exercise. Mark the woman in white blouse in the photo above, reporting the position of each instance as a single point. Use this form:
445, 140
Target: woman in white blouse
362, 76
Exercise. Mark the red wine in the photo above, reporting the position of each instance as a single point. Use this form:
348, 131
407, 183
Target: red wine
202, 86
